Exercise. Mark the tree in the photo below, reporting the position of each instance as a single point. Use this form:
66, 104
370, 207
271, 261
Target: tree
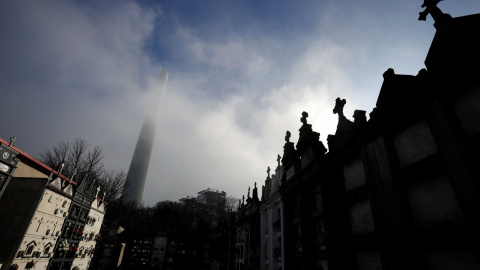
87, 161
112, 182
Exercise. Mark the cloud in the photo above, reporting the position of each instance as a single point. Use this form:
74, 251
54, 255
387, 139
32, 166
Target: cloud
240, 76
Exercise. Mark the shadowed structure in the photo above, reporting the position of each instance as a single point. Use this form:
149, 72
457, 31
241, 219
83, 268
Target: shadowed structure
137, 173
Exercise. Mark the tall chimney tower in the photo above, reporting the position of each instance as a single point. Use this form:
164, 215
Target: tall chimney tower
137, 173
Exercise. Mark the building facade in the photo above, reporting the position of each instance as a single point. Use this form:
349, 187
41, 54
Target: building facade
400, 190
36, 208
271, 211
74, 229
87, 244
247, 242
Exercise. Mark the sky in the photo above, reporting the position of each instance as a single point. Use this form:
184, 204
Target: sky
240, 75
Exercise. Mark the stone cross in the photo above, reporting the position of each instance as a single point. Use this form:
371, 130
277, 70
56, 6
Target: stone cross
61, 168
73, 174
39, 223
278, 160
12, 141
287, 136
339, 104
430, 8
268, 172
54, 227
304, 118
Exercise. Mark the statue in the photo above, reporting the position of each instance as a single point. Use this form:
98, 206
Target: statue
430, 8
339, 104
441, 19
304, 118
287, 136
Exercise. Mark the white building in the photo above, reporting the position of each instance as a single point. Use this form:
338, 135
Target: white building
32, 210
272, 228
86, 247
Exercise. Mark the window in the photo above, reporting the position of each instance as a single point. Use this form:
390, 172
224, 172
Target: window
20, 253
50, 198
30, 248
48, 232
46, 249
64, 204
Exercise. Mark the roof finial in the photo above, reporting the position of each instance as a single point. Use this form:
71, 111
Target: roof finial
304, 118
339, 104
248, 194
278, 160
73, 174
441, 19
287, 136
12, 141
268, 173
61, 168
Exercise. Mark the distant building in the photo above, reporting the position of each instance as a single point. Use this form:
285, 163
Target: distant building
158, 253
211, 199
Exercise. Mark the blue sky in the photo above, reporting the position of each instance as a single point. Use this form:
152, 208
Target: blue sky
241, 73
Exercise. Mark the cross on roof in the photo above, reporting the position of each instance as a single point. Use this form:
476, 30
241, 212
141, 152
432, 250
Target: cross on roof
12, 141
430, 8
304, 118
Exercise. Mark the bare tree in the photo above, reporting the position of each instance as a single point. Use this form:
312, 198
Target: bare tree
112, 182
88, 161
231, 204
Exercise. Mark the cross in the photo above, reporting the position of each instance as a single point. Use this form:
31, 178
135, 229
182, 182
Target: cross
430, 8
54, 227
268, 172
39, 223
12, 141
278, 160
339, 104
61, 168
287, 137
304, 118
73, 174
